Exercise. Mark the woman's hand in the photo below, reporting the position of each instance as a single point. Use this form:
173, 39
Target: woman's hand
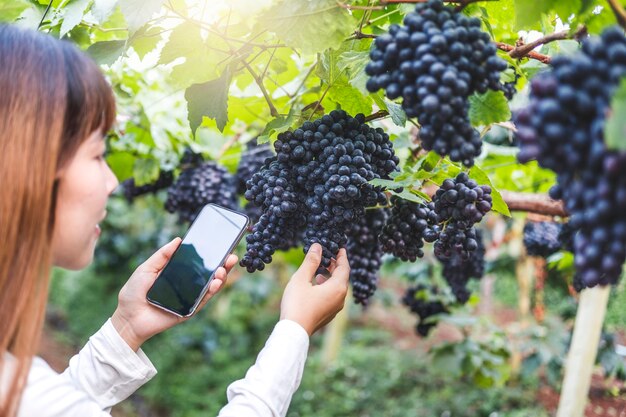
313, 306
135, 319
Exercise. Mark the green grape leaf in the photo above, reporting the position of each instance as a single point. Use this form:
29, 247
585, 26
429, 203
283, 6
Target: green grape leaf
349, 98
412, 195
615, 127
209, 99
122, 164
528, 13
184, 41
497, 204
139, 12
106, 52
12, 9
145, 40
145, 170
398, 117
488, 108
103, 9
309, 25
354, 62
73, 15
276, 126
201, 56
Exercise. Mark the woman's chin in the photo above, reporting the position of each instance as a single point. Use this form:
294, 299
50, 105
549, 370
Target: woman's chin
75, 263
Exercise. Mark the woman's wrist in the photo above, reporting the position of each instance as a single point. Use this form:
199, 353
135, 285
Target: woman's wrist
126, 331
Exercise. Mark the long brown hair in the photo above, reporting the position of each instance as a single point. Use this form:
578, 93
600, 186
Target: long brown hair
52, 97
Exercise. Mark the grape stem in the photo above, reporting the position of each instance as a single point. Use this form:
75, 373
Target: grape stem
259, 82
534, 55
620, 13
380, 114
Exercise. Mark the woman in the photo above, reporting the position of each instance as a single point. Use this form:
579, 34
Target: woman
55, 107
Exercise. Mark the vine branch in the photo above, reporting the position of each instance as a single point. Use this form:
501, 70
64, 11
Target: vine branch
534, 55
618, 10
533, 203
461, 3
351, 7
259, 82
378, 115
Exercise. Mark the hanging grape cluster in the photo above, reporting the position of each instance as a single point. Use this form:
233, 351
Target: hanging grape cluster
542, 238
435, 61
317, 185
197, 186
252, 159
563, 129
448, 221
458, 270
131, 190
408, 226
423, 302
460, 203
365, 254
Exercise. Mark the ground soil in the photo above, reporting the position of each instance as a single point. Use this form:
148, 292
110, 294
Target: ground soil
607, 398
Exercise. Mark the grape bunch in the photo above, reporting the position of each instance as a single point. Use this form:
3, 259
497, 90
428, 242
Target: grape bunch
435, 62
190, 159
252, 159
200, 185
423, 302
458, 270
542, 238
365, 254
131, 190
448, 221
317, 185
510, 88
459, 204
409, 225
563, 129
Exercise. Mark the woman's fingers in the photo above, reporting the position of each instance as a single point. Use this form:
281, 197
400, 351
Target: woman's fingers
231, 261
157, 261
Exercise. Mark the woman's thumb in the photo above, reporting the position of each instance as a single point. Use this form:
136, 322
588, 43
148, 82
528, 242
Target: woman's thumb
158, 260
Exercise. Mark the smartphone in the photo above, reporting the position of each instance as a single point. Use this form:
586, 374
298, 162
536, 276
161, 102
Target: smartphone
185, 279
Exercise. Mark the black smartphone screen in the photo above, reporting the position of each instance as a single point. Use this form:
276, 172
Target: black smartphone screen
212, 236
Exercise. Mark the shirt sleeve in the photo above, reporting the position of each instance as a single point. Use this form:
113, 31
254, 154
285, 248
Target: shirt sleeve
270, 383
105, 372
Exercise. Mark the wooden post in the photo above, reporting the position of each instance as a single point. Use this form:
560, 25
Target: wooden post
582, 352
524, 276
539, 311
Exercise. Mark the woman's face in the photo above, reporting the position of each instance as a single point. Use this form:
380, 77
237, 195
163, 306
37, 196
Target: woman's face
84, 186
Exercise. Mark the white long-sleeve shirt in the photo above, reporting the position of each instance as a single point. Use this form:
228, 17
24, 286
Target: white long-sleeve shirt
106, 371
